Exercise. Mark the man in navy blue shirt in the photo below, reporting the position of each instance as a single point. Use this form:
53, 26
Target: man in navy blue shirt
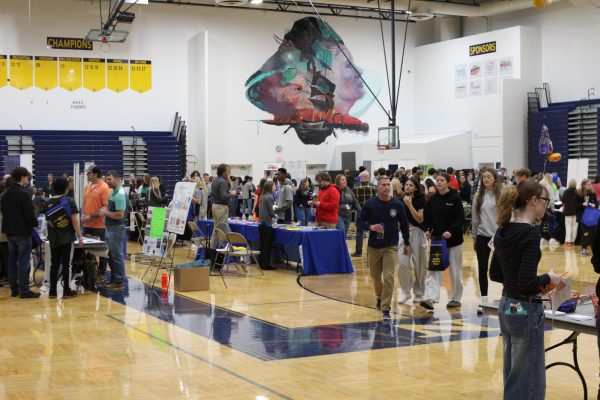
383, 216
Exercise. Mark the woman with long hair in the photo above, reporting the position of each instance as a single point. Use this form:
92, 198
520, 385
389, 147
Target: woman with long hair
414, 203
143, 188
301, 198
258, 193
155, 197
348, 203
586, 197
464, 189
265, 227
484, 215
200, 198
514, 264
569, 200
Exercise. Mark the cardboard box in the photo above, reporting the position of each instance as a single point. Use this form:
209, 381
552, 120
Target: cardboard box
191, 279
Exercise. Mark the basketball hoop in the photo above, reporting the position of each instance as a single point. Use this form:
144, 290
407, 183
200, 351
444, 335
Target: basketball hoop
104, 45
383, 147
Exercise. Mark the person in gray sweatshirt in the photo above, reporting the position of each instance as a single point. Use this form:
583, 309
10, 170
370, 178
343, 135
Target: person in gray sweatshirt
265, 227
348, 203
484, 216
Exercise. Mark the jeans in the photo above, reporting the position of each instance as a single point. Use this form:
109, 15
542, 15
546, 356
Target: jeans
247, 206
360, 229
303, 214
483, 257
343, 224
19, 255
115, 235
101, 233
523, 339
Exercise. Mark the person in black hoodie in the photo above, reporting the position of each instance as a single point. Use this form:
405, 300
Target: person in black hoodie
18, 222
445, 216
596, 264
514, 264
586, 197
569, 200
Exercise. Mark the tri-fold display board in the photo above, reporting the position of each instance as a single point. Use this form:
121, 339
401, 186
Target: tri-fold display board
73, 73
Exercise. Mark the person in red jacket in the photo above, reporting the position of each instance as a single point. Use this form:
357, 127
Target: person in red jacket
327, 203
453, 181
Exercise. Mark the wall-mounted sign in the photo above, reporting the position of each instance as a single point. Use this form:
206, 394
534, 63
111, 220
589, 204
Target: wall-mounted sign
483, 48
69, 43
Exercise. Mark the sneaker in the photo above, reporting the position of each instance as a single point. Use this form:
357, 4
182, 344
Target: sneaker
386, 315
427, 304
52, 295
417, 300
584, 252
356, 255
403, 298
453, 304
554, 242
115, 286
29, 295
543, 242
14, 294
378, 304
69, 293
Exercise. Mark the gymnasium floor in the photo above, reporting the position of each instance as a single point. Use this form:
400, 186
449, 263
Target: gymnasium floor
271, 337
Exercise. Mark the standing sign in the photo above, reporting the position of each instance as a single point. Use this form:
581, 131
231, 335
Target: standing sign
155, 238
180, 207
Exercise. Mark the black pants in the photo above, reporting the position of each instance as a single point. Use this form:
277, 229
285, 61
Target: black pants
60, 256
588, 236
266, 233
483, 257
4, 259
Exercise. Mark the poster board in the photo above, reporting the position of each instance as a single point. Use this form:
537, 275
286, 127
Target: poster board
578, 169
180, 207
156, 236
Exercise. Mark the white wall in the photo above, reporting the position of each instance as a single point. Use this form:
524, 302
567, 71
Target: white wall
201, 58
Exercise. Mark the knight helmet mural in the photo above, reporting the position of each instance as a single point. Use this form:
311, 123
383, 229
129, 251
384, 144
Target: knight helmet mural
311, 84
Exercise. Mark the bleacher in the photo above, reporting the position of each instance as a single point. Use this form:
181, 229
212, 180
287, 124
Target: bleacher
56, 151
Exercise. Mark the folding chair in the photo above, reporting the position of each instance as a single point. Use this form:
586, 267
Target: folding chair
221, 247
235, 239
198, 238
140, 227
165, 261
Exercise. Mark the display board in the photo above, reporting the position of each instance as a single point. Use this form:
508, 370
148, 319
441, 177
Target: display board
3, 70
46, 76
140, 75
180, 207
156, 236
69, 73
21, 72
94, 74
117, 74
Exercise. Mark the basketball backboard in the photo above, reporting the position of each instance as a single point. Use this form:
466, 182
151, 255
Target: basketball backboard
388, 138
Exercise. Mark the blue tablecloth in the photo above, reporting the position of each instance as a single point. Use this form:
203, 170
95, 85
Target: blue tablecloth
324, 251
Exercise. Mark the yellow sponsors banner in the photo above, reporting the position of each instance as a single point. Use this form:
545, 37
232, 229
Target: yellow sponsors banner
69, 43
94, 74
69, 73
46, 72
21, 72
3, 70
483, 48
117, 74
141, 75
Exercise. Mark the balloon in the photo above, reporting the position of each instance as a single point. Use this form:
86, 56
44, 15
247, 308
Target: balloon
554, 157
545, 144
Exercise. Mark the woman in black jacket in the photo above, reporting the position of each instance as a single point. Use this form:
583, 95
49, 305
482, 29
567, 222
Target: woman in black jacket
464, 189
301, 198
569, 200
586, 197
514, 264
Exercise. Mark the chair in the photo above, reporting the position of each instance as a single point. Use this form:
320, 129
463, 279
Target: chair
234, 238
165, 261
198, 238
219, 238
140, 227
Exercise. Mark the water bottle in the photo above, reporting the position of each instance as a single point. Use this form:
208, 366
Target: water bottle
165, 281
380, 235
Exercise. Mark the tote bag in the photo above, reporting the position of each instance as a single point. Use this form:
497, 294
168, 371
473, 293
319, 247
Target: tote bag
590, 217
439, 258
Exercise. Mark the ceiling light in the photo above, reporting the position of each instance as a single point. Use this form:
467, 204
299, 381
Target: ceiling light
256, 1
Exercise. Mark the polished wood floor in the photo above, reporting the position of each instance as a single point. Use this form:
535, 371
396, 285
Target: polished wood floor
269, 338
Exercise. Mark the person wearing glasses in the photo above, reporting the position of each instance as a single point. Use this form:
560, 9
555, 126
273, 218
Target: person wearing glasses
514, 264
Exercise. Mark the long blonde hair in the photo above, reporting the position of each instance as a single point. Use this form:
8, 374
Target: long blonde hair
154, 183
200, 184
582, 192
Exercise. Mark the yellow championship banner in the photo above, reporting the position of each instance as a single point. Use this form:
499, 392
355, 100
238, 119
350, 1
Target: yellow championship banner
3, 70
69, 73
141, 75
46, 72
21, 72
117, 74
94, 74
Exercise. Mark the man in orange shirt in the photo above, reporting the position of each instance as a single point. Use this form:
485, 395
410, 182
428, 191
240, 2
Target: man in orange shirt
95, 198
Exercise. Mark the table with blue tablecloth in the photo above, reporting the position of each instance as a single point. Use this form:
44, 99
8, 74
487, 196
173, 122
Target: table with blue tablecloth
324, 251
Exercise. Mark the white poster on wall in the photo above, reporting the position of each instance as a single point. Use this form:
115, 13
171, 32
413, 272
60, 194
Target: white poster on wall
460, 90
506, 66
490, 68
297, 169
460, 72
578, 169
490, 86
475, 88
475, 70
180, 207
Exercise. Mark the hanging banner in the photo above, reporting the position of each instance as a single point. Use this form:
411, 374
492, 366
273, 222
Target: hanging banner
46, 72
21, 72
69, 73
141, 75
69, 43
3, 70
117, 74
180, 207
94, 74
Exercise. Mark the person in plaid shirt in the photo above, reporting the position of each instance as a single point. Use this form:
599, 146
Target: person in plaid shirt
364, 191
